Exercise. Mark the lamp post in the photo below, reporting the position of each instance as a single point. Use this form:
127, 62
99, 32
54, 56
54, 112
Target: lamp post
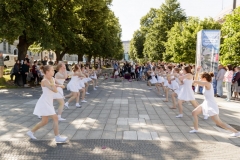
234, 4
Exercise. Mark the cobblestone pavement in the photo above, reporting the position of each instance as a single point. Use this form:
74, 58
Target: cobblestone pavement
116, 115
117, 150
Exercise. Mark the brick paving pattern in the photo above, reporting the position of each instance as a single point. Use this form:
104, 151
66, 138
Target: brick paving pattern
118, 114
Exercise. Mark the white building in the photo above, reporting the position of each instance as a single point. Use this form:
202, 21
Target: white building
226, 11
7, 48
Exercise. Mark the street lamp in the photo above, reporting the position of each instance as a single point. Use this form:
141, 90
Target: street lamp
234, 4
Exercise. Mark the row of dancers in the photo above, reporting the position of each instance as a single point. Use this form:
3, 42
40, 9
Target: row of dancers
180, 82
52, 89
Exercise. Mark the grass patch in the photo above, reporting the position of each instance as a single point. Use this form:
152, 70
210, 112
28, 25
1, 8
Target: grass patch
5, 82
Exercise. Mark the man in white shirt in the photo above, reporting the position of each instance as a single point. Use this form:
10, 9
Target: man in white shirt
219, 78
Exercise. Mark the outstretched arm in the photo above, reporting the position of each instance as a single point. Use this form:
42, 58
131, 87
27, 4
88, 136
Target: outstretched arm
50, 85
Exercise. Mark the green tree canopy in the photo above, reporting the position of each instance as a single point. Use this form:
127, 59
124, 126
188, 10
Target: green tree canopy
182, 39
230, 49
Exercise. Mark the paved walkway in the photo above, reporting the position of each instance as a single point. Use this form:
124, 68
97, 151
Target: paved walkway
118, 115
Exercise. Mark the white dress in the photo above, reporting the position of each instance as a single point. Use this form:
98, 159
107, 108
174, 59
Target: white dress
94, 76
160, 79
74, 85
174, 85
186, 93
165, 82
209, 105
59, 94
44, 106
177, 91
81, 83
153, 80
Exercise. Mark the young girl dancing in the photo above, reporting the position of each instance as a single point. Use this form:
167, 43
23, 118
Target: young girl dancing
44, 106
186, 93
209, 106
60, 77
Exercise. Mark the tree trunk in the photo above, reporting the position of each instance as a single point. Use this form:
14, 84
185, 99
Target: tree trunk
89, 59
59, 55
80, 58
22, 47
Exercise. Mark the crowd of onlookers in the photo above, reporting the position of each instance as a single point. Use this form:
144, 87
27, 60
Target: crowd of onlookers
30, 71
225, 74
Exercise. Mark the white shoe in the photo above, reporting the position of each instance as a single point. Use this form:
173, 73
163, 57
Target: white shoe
39, 117
61, 119
30, 134
84, 101
149, 88
96, 86
193, 131
94, 89
205, 117
66, 105
235, 134
60, 139
78, 105
87, 93
179, 116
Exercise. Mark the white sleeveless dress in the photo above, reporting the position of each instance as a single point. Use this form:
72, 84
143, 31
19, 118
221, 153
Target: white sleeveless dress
209, 105
44, 106
94, 76
165, 82
153, 80
160, 79
174, 85
177, 91
59, 94
74, 85
186, 93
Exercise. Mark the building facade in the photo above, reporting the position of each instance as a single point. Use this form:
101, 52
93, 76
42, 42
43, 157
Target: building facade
226, 11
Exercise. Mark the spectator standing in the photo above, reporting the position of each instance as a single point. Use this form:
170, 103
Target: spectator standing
67, 66
24, 72
50, 62
26, 58
31, 62
1, 65
235, 82
17, 73
44, 62
219, 78
35, 73
228, 80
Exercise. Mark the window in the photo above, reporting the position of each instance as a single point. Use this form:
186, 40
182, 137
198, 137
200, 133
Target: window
6, 58
4, 46
9, 48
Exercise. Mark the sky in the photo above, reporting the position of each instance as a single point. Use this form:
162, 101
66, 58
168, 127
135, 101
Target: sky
130, 12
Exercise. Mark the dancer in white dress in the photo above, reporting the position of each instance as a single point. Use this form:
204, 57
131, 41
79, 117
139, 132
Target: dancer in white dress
74, 87
94, 77
44, 106
153, 79
175, 87
85, 79
186, 93
209, 106
160, 79
90, 73
168, 76
60, 77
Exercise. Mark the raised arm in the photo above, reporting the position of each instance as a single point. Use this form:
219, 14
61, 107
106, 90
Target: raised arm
203, 84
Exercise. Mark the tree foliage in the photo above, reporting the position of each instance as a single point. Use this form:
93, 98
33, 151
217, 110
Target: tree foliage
65, 26
169, 13
230, 49
181, 44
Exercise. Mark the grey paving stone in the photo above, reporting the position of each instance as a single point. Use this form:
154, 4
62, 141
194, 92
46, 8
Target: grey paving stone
96, 134
109, 135
130, 135
110, 127
80, 135
144, 135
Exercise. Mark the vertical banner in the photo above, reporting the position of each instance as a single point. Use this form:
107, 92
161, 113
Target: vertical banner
207, 53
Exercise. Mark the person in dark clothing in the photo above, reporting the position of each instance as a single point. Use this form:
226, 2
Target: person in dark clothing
44, 62
50, 62
34, 72
26, 58
24, 72
17, 73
